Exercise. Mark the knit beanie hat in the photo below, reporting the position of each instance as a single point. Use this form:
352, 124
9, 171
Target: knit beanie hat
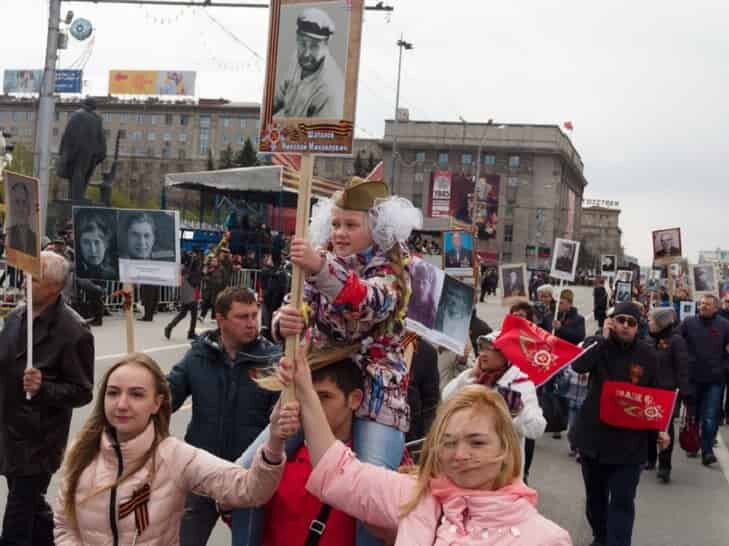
663, 317
627, 308
567, 295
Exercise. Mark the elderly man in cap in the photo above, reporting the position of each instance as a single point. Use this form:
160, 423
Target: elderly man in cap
611, 456
313, 86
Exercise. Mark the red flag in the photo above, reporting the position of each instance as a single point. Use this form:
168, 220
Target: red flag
377, 174
568, 125
534, 351
631, 406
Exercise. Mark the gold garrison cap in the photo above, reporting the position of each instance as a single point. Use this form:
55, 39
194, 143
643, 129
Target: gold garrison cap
361, 194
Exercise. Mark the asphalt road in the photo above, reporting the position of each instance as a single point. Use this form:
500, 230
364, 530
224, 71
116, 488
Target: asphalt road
690, 511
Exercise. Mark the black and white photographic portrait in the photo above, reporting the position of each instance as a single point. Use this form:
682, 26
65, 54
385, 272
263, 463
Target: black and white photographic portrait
686, 309
608, 263
666, 244
513, 282
564, 260
21, 226
704, 279
427, 284
95, 243
146, 235
454, 309
623, 292
311, 60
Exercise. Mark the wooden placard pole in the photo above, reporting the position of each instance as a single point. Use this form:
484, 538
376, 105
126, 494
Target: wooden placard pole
297, 282
556, 305
29, 323
129, 315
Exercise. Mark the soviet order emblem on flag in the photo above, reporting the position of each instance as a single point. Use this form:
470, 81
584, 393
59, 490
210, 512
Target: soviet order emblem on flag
534, 351
626, 405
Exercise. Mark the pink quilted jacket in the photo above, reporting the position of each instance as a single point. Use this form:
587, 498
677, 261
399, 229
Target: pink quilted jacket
375, 495
180, 469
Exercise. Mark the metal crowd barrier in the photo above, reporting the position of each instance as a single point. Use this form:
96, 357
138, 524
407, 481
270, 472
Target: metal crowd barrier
170, 295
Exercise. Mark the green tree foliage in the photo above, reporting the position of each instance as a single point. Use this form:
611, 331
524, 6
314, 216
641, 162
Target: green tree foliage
371, 163
359, 166
246, 157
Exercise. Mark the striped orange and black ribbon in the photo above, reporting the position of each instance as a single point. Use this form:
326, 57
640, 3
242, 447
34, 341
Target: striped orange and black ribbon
137, 504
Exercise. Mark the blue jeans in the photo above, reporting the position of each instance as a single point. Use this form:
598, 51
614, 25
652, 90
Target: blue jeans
374, 443
708, 406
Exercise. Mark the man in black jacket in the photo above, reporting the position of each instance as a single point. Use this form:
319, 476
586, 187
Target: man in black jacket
34, 429
707, 338
673, 374
612, 456
229, 410
600, 301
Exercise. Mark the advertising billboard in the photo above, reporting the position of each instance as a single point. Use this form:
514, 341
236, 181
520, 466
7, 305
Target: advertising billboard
29, 81
440, 197
152, 82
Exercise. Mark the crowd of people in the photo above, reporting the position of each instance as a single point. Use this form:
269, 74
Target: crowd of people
334, 468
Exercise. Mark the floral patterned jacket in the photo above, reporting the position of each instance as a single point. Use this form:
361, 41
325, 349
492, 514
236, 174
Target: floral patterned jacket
353, 300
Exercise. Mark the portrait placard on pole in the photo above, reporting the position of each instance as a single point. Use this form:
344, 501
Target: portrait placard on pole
22, 223
666, 246
310, 93
512, 278
564, 259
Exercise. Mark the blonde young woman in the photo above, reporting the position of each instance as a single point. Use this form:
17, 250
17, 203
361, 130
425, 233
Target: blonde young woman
466, 492
126, 479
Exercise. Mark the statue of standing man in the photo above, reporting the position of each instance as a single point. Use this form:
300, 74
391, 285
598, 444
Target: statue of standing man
83, 147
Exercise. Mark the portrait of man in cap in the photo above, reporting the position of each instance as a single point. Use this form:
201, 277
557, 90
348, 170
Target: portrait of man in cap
309, 80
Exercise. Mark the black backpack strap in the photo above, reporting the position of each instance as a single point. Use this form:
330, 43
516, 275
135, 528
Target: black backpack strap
318, 526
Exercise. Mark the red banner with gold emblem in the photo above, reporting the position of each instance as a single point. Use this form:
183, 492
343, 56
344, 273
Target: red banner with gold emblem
536, 352
631, 406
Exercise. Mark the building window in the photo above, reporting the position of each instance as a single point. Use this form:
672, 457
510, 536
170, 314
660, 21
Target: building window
514, 162
226, 122
243, 123
489, 159
205, 121
122, 134
137, 135
167, 137
108, 117
29, 116
165, 152
204, 140
508, 233
420, 156
443, 158
17, 116
123, 117
140, 118
182, 137
241, 140
466, 159
169, 119
418, 200
151, 136
181, 154
56, 115
184, 119
153, 119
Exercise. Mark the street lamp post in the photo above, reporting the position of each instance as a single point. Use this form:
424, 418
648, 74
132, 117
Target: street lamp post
401, 44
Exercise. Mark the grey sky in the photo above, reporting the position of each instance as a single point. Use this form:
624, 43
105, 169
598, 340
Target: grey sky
644, 83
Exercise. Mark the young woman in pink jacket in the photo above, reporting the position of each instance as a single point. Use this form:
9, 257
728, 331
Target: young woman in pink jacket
126, 479
467, 490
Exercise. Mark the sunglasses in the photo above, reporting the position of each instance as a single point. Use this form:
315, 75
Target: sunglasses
623, 319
